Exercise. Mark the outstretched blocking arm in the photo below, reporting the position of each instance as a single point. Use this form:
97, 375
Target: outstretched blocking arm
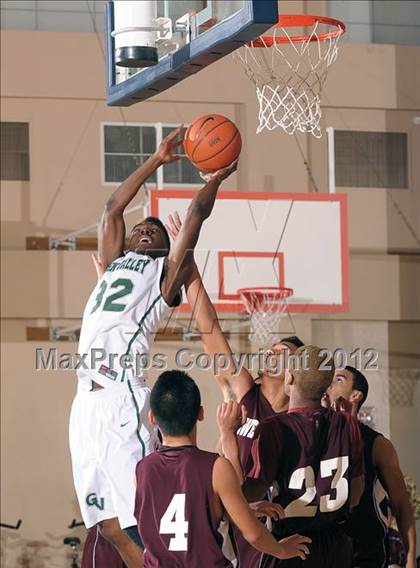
234, 383
385, 459
226, 486
230, 416
181, 252
111, 229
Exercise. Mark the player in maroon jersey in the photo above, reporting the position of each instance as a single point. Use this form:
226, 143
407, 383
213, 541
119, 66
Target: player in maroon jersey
313, 456
367, 525
183, 492
261, 399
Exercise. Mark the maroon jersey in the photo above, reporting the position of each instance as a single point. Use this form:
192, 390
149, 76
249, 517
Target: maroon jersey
99, 553
258, 409
175, 510
310, 456
367, 525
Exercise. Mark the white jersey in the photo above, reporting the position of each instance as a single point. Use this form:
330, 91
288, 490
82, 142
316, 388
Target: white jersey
124, 310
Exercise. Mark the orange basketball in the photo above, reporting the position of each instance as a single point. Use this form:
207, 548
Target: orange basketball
212, 142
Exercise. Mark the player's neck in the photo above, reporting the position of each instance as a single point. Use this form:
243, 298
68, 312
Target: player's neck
298, 401
354, 409
273, 390
175, 441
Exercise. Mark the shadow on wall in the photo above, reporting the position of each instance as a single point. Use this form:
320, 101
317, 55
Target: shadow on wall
20, 552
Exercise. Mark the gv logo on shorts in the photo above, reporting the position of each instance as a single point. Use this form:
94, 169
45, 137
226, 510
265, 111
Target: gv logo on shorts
93, 501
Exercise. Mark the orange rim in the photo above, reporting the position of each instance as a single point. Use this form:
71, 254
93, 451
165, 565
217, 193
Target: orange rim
254, 297
302, 20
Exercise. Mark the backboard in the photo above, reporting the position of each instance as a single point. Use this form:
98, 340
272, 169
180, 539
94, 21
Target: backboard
181, 38
294, 240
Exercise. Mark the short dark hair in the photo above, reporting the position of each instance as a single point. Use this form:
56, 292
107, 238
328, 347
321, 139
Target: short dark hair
156, 221
175, 403
293, 340
311, 380
359, 383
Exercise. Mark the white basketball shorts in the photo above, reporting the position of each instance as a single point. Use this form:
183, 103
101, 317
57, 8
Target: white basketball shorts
109, 434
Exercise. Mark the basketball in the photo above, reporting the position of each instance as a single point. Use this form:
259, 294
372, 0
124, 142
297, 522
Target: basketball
212, 142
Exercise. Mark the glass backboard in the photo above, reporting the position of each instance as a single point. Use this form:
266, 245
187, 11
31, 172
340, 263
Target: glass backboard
183, 36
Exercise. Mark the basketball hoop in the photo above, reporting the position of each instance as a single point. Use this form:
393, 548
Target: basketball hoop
266, 307
289, 71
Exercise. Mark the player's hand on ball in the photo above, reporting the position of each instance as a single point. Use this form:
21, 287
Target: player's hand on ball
220, 175
174, 224
268, 509
168, 145
230, 416
293, 546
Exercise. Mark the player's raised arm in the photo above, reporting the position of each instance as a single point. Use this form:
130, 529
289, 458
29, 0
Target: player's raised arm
180, 254
227, 487
111, 229
233, 382
230, 416
386, 460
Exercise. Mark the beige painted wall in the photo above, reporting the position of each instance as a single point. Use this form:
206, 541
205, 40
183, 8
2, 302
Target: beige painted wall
381, 286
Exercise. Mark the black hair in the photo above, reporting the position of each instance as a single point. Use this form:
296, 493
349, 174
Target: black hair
293, 340
359, 383
156, 221
175, 403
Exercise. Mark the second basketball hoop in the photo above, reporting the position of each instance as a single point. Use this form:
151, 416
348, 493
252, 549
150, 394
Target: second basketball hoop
266, 307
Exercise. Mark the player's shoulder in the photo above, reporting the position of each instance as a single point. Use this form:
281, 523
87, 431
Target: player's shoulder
252, 394
369, 433
274, 423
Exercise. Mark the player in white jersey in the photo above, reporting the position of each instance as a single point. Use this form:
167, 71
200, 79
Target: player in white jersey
109, 430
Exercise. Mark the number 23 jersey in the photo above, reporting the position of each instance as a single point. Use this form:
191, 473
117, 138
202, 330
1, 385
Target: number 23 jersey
123, 311
309, 455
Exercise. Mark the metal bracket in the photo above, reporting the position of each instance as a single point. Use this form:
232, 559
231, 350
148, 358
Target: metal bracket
163, 27
56, 333
68, 242
13, 527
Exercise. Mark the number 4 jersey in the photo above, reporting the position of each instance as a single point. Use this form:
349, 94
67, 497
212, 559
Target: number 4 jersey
309, 456
175, 511
123, 311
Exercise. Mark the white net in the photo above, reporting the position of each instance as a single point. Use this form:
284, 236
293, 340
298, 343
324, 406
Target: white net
402, 385
289, 73
266, 308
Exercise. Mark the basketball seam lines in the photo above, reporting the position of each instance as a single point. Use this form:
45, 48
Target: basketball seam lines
224, 148
202, 140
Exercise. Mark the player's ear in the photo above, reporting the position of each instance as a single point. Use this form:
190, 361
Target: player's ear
200, 416
288, 378
151, 418
356, 396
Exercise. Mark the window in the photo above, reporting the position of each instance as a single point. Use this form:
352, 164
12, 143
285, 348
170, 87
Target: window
371, 21
128, 146
14, 151
371, 159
